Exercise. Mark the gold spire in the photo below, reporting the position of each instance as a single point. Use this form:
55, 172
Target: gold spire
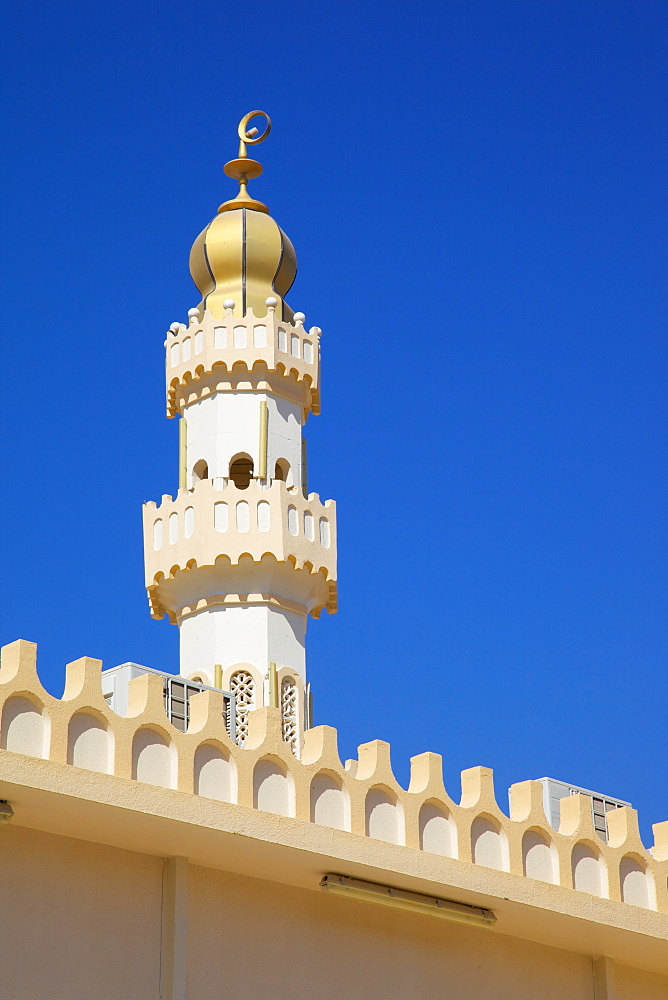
244, 168
243, 255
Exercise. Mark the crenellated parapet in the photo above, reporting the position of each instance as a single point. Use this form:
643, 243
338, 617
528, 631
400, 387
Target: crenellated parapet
234, 353
421, 829
218, 525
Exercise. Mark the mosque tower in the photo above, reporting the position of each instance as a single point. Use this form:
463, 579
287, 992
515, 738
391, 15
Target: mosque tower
244, 553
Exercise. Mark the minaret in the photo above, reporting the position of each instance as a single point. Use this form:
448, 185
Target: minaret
243, 554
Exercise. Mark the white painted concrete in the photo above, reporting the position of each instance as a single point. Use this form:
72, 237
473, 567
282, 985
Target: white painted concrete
227, 424
258, 634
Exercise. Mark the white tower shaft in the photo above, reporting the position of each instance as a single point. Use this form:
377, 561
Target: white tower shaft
242, 555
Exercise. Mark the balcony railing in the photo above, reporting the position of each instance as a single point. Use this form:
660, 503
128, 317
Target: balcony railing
207, 523
252, 342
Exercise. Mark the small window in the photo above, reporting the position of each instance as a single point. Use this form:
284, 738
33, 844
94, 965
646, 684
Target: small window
241, 471
282, 470
200, 471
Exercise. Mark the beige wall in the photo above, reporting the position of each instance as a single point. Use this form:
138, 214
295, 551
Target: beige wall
328, 948
82, 920
632, 984
77, 919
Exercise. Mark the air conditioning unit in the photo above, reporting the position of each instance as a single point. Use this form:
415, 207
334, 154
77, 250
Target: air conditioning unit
554, 791
178, 692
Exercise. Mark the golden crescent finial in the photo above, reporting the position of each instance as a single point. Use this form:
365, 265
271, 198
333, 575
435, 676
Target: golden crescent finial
244, 168
251, 136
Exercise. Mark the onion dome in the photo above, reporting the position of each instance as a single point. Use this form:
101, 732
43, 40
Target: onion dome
243, 254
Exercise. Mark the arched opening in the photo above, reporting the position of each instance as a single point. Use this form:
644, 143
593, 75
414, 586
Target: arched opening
200, 471
241, 471
282, 470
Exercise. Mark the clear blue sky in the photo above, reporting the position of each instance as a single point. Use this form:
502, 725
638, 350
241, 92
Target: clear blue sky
475, 195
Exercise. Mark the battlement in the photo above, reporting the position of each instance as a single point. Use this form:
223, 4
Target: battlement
233, 347
420, 829
207, 526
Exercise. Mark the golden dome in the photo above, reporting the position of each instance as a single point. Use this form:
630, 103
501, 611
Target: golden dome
243, 254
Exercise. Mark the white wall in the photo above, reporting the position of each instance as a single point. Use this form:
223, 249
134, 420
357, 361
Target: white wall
251, 633
222, 425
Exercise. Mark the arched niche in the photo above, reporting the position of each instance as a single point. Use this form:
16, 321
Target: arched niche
153, 758
215, 774
539, 857
383, 819
438, 833
272, 788
24, 727
89, 743
637, 883
589, 872
329, 805
488, 843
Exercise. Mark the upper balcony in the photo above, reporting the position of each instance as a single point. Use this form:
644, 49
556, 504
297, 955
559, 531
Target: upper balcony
208, 527
234, 347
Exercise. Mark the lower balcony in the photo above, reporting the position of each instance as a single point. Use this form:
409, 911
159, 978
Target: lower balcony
223, 528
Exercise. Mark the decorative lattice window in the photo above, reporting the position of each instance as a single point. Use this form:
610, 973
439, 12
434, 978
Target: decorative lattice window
242, 687
289, 713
